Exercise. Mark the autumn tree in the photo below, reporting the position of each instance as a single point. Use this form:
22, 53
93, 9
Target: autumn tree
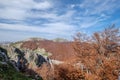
100, 55
108, 40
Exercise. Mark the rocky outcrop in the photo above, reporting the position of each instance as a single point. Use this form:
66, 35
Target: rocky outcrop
3, 55
21, 59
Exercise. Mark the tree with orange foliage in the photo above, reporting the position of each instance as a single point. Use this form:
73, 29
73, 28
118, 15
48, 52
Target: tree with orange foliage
101, 55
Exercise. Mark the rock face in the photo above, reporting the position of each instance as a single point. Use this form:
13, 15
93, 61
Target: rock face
3, 55
8, 70
22, 59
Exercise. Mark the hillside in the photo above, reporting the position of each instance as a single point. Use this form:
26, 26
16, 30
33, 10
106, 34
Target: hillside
94, 58
59, 50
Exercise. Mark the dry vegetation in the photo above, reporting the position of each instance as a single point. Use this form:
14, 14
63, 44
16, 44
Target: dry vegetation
58, 49
97, 58
99, 55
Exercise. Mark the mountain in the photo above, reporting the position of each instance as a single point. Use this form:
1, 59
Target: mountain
59, 50
24, 58
42, 59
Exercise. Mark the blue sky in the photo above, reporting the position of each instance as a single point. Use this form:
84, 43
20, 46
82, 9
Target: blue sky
22, 19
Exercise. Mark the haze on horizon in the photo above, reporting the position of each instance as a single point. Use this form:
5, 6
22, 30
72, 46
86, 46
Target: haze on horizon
22, 19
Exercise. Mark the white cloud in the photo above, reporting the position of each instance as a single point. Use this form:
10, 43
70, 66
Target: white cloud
12, 13
72, 6
88, 24
88, 21
22, 10
19, 9
59, 26
26, 4
51, 28
53, 19
99, 6
96, 7
43, 5
93, 12
54, 16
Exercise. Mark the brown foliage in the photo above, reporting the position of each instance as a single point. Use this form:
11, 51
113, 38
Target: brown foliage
100, 56
68, 72
58, 49
45, 71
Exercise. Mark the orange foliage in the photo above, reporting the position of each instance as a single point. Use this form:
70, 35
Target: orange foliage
101, 55
68, 72
45, 71
58, 49
97, 58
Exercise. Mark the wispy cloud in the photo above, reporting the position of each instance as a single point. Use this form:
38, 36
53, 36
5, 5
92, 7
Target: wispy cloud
98, 6
52, 28
19, 9
55, 18
93, 12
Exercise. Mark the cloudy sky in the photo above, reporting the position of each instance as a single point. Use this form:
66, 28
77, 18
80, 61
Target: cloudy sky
21, 19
